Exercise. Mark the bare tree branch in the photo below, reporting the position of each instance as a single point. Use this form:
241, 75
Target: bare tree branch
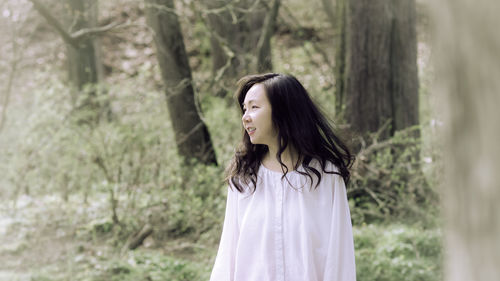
8, 90
75, 37
316, 47
16, 58
95, 31
54, 22
223, 43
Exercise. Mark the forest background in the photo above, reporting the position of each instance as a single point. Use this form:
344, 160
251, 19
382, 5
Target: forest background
118, 120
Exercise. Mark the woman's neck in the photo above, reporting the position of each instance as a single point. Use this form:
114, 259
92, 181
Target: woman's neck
289, 157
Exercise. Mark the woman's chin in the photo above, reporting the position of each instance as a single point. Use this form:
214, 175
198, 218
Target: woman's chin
254, 141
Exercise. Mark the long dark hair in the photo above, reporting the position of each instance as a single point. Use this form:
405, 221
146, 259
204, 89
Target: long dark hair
299, 123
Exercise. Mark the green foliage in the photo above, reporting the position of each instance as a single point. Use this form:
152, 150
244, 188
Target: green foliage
99, 226
127, 163
388, 180
397, 252
143, 266
194, 204
224, 124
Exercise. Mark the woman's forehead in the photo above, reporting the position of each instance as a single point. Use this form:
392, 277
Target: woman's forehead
254, 94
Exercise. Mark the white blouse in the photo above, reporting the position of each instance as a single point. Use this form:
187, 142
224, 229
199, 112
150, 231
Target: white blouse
280, 233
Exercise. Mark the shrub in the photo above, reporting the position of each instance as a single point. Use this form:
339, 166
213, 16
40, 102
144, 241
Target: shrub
143, 266
388, 181
397, 252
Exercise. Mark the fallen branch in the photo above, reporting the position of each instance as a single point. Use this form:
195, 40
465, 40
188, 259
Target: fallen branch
140, 237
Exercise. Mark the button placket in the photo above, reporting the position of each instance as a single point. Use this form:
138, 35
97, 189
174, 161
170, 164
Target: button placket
280, 267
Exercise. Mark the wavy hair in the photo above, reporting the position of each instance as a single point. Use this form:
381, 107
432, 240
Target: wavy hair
299, 123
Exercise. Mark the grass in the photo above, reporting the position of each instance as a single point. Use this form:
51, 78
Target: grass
46, 238
43, 237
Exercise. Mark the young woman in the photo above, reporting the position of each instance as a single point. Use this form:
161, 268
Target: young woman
287, 216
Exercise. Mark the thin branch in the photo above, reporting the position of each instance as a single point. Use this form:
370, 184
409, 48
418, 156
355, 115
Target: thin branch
54, 22
230, 54
16, 58
191, 132
73, 38
375, 197
381, 130
95, 31
314, 44
232, 9
8, 91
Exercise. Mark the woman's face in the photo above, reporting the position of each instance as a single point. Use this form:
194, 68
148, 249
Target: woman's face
257, 116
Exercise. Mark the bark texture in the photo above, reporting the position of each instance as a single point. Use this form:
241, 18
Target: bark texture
466, 50
340, 59
82, 58
240, 36
264, 58
191, 135
381, 75
79, 32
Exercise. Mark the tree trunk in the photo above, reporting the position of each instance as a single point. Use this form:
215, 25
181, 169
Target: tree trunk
340, 59
82, 60
381, 76
264, 59
467, 47
224, 38
237, 28
191, 134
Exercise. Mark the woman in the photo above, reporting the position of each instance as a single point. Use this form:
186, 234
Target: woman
287, 215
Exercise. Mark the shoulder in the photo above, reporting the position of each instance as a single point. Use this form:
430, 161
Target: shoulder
326, 167
244, 186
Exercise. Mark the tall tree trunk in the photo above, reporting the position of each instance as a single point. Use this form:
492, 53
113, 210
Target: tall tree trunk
237, 27
381, 76
237, 24
191, 134
467, 48
264, 59
225, 37
84, 64
340, 58
82, 60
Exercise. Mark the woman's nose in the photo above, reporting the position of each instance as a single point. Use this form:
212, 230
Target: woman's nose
245, 117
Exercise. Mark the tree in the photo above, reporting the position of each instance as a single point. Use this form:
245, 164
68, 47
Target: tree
340, 57
330, 11
241, 33
83, 62
82, 59
466, 50
191, 134
264, 58
377, 73
15, 57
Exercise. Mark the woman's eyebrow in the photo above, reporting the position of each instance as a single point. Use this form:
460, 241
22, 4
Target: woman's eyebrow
249, 102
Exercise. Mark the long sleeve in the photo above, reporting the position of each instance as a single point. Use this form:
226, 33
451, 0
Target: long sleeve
224, 266
340, 264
